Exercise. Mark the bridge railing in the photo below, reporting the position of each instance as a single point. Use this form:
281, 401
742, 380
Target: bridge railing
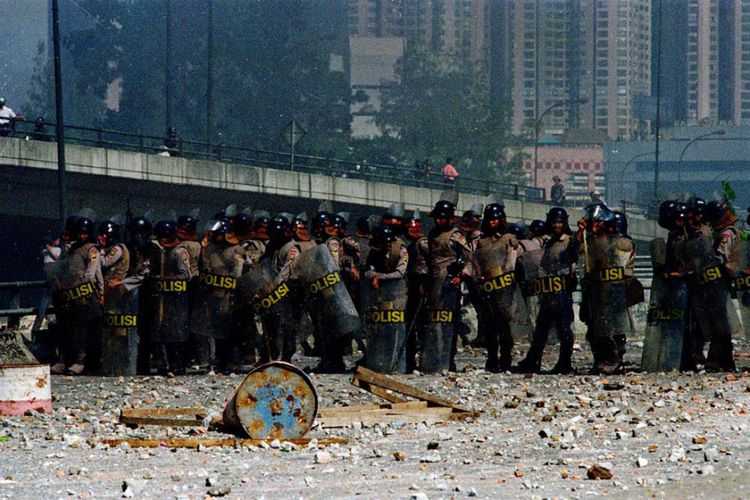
378, 172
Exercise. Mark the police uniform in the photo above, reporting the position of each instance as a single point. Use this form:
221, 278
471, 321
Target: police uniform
81, 296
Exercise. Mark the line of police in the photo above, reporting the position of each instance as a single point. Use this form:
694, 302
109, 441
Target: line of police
171, 297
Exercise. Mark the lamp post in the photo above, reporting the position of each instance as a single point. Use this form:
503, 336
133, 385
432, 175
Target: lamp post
627, 164
690, 143
537, 127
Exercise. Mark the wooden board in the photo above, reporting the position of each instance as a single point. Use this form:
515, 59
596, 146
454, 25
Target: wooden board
211, 442
170, 417
363, 375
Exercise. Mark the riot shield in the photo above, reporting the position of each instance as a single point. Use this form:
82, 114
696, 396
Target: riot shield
170, 301
327, 299
442, 308
667, 319
120, 332
742, 284
272, 300
609, 323
385, 325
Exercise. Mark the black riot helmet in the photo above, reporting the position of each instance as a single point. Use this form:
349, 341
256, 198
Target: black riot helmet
242, 224
598, 212
381, 236
557, 214
443, 209
516, 230
537, 228
188, 223
667, 211
363, 225
165, 230
109, 233
620, 223
493, 221
69, 230
696, 208
320, 221
140, 226
84, 229
715, 211
279, 230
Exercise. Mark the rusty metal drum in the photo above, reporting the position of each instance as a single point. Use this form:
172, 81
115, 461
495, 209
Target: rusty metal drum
276, 400
24, 387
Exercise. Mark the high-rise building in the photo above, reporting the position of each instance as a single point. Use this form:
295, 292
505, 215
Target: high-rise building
577, 63
458, 27
734, 69
375, 18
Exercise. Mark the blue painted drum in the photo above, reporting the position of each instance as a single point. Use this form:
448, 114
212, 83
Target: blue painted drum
276, 400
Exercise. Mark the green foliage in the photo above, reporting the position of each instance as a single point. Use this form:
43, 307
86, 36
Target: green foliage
442, 108
272, 62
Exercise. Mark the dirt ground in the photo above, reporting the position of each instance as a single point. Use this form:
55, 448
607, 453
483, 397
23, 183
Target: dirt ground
660, 435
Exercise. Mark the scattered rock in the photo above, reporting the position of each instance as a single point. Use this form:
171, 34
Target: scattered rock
677, 454
598, 472
711, 454
699, 440
641, 462
219, 492
323, 457
707, 470
399, 456
433, 445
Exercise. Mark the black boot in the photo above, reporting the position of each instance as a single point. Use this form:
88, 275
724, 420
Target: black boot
529, 365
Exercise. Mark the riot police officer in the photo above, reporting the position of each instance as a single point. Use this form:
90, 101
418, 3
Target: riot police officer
81, 295
448, 256
495, 257
170, 287
416, 274
221, 264
119, 331
384, 296
610, 259
554, 284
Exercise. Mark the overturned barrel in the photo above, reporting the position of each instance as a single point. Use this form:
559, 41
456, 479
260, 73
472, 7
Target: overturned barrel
275, 401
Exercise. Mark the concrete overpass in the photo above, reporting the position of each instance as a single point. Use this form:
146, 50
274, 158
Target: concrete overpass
107, 180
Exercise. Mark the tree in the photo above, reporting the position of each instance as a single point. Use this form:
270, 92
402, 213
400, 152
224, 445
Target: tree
440, 107
272, 61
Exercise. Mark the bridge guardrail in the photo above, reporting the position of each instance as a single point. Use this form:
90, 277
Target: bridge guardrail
403, 174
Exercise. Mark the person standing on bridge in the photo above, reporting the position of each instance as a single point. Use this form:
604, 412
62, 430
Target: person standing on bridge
8, 119
450, 174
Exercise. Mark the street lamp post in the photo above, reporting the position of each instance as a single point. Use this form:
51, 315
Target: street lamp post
537, 127
690, 143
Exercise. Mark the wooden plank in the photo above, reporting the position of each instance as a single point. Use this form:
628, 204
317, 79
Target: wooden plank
211, 442
338, 410
193, 417
380, 380
431, 415
377, 391
165, 412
